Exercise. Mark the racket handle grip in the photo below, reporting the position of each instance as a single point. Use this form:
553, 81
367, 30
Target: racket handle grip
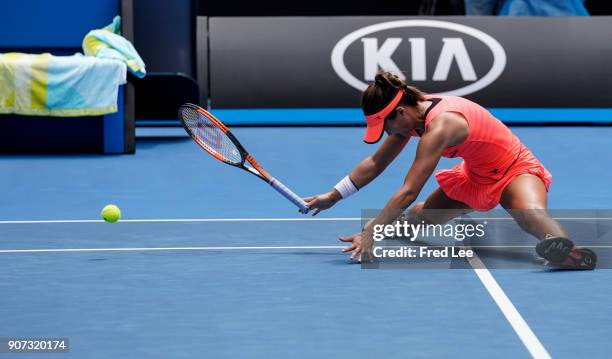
289, 194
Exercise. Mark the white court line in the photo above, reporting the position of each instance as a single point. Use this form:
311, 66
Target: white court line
470, 246
157, 249
520, 326
187, 220
298, 219
232, 248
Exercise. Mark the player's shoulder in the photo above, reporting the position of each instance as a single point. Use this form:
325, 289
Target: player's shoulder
447, 99
446, 119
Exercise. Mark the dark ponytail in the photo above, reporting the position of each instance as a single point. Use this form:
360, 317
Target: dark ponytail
384, 88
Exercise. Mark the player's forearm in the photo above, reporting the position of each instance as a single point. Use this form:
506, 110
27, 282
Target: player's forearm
393, 209
360, 176
365, 172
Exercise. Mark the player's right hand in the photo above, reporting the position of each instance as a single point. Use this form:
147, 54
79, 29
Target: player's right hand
322, 201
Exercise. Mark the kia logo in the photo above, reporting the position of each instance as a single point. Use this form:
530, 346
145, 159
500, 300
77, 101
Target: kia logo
377, 53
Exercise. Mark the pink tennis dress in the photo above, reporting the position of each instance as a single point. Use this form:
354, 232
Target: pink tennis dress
492, 156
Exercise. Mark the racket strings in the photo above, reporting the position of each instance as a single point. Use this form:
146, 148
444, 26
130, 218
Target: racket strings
211, 136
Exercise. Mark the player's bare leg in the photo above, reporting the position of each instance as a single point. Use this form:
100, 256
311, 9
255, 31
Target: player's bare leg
525, 199
438, 208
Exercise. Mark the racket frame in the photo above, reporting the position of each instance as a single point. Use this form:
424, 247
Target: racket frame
256, 168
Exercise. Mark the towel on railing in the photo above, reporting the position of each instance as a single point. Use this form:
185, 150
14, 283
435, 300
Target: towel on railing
48, 85
75, 85
108, 44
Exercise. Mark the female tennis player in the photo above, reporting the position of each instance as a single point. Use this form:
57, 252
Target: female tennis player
496, 169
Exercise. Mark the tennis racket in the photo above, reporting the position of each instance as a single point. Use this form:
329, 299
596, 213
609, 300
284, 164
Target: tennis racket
215, 138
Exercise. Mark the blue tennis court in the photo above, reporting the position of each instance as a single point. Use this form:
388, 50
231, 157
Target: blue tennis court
208, 262
122, 237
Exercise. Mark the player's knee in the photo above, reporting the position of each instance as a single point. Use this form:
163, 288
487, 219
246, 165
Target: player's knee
414, 213
428, 216
417, 208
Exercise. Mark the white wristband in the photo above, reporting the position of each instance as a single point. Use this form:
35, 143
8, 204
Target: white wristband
346, 187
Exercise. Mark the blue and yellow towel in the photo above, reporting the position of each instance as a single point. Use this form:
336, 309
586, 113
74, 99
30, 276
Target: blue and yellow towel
75, 85
64, 86
106, 43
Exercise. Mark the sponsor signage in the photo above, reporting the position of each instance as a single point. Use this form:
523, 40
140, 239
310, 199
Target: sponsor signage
379, 51
325, 62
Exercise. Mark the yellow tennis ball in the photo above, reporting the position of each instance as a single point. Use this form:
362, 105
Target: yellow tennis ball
111, 213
